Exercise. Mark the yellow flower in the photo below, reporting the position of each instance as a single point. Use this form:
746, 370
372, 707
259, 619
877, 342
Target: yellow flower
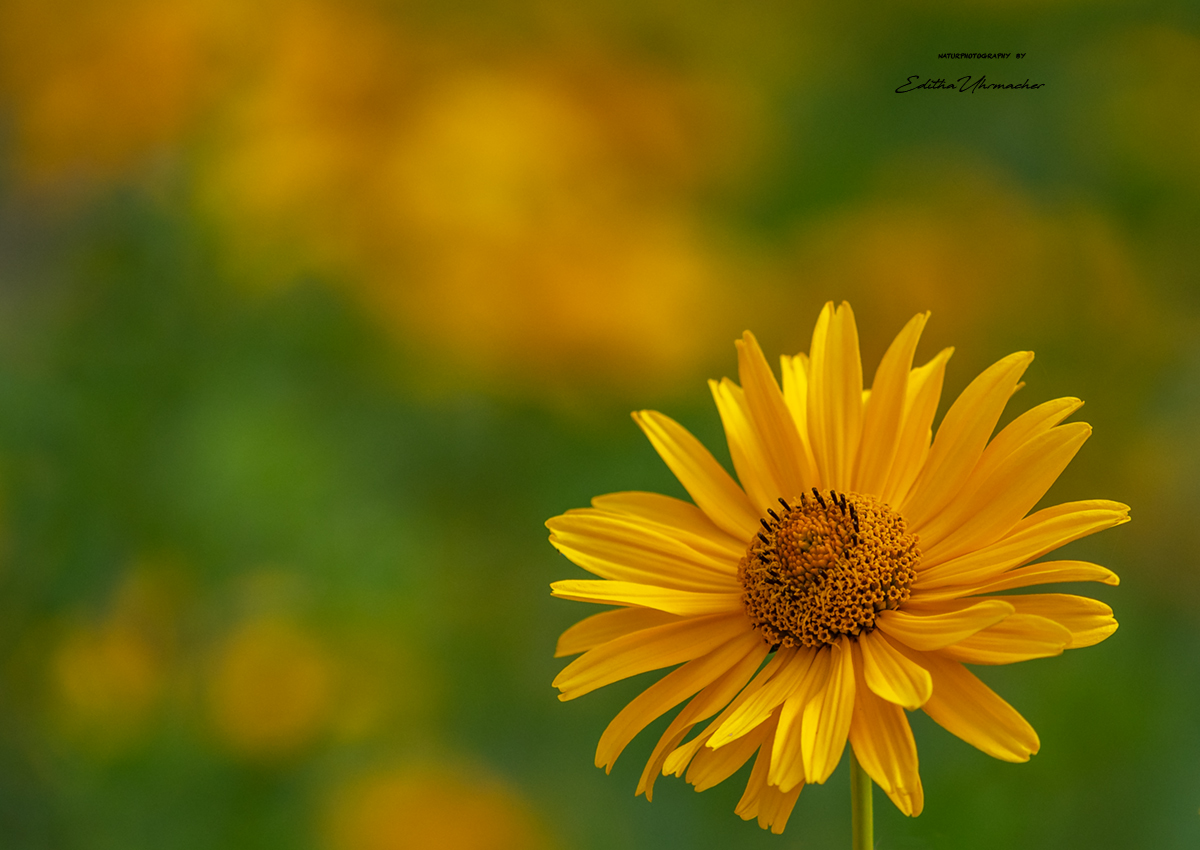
863, 564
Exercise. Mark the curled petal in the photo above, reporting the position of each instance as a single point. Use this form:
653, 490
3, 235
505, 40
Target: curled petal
890, 673
1019, 637
937, 628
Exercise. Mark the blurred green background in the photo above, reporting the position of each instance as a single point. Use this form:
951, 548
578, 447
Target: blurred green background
311, 313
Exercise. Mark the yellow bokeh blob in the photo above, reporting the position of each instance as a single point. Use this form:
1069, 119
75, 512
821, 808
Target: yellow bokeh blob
109, 674
429, 809
271, 689
108, 677
97, 86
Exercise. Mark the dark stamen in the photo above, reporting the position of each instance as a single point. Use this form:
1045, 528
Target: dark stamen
819, 499
786, 506
766, 525
763, 539
774, 515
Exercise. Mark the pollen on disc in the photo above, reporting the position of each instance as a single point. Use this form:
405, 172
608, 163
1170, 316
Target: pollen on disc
824, 566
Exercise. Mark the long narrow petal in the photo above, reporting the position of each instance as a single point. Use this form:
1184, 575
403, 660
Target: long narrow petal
1019, 637
991, 504
622, 549
884, 411
968, 708
712, 767
794, 383
890, 674
707, 482
1088, 620
787, 757
835, 395
883, 743
961, 438
1049, 572
683, 602
678, 760
682, 520
1030, 424
648, 649
755, 467
1046, 572
774, 423
705, 704
668, 692
1030, 538
934, 629
607, 625
795, 674
826, 721
761, 800
590, 528
912, 443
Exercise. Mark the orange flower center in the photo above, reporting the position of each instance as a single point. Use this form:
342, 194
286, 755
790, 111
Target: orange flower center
824, 567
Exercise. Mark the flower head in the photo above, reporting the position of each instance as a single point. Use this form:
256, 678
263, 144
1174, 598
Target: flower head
858, 566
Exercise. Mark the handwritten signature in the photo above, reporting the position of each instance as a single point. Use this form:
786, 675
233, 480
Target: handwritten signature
962, 84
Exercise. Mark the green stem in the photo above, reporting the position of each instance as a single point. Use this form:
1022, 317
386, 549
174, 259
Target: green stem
861, 817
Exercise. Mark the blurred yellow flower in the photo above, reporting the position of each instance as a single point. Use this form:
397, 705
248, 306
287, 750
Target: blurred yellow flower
96, 86
110, 675
411, 809
271, 689
861, 559
532, 218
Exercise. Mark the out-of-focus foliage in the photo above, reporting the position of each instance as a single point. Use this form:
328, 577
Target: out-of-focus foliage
312, 312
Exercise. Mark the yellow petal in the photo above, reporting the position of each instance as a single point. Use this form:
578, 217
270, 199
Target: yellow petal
961, 439
707, 482
1030, 424
679, 758
683, 602
712, 767
968, 708
705, 704
1046, 572
883, 744
1018, 637
623, 549
753, 463
787, 759
912, 443
884, 409
607, 625
826, 721
1030, 538
940, 626
795, 395
761, 800
1088, 620
682, 520
835, 395
990, 505
795, 675
1049, 572
668, 692
648, 649
890, 674
774, 423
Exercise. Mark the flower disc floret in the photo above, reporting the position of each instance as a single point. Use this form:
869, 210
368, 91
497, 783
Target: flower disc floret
824, 566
